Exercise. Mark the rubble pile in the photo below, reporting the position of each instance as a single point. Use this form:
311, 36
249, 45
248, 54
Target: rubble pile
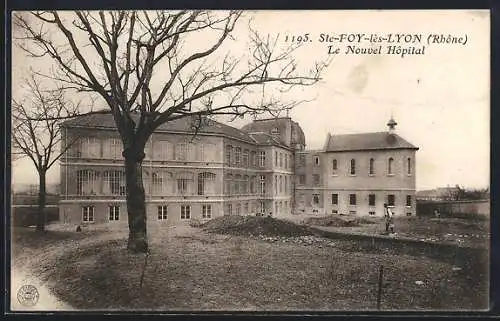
340, 221
255, 226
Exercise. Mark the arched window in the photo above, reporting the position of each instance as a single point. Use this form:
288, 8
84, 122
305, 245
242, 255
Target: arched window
206, 183
353, 167
237, 184
228, 184
390, 165
408, 165
161, 183
334, 167
237, 156
114, 183
86, 182
372, 166
184, 183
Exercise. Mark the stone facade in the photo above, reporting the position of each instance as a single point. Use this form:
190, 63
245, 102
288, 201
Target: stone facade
261, 168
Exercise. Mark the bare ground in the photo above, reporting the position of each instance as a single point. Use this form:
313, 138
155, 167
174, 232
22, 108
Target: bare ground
189, 269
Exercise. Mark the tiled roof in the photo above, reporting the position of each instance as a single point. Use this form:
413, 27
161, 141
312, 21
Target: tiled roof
267, 139
183, 125
366, 141
267, 125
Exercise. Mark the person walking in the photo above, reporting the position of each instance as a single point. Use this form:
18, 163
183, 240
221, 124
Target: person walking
389, 219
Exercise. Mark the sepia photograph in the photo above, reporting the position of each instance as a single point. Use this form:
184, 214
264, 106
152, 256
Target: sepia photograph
250, 161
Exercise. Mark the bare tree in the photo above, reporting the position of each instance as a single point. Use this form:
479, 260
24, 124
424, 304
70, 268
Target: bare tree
154, 67
36, 133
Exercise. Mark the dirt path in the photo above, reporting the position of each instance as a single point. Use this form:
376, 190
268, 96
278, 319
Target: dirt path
46, 301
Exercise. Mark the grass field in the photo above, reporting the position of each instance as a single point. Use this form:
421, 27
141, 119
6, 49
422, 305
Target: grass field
189, 269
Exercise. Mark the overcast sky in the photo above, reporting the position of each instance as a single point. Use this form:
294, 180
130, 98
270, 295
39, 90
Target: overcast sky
440, 100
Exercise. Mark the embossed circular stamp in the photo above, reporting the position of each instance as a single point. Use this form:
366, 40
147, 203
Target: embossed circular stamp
28, 295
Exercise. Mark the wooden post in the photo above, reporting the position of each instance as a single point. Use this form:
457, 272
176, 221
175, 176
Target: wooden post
380, 279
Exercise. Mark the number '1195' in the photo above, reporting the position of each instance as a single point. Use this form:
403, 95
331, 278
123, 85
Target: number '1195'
301, 38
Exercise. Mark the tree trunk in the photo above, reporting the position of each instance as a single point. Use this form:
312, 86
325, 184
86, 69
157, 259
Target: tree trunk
40, 221
136, 203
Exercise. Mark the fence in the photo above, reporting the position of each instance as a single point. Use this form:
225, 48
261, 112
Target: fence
462, 209
26, 215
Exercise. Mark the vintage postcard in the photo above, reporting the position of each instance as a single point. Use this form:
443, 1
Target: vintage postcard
240, 161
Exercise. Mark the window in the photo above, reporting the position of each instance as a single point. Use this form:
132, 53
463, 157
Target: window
230, 209
281, 160
185, 212
113, 148
352, 170
245, 183
275, 131
184, 181
335, 199
252, 185
276, 159
208, 152
335, 211
206, 183
352, 199
182, 185
316, 160
162, 212
334, 167
237, 156
229, 152
86, 182
237, 184
316, 179
391, 200
408, 200
181, 152
286, 160
262, 206
246, 208
315, 199
372, 167
302, 179
90, 147
371, 213
262, 184
245, 158
262, 158
408, 166
227, 184
163, 150
302, 159
114, 212
238, 209
275, 184
390, 163
352, 212
114, 183
88, 213
254, 158
281, 184
160, 183
371, 200
206, 211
